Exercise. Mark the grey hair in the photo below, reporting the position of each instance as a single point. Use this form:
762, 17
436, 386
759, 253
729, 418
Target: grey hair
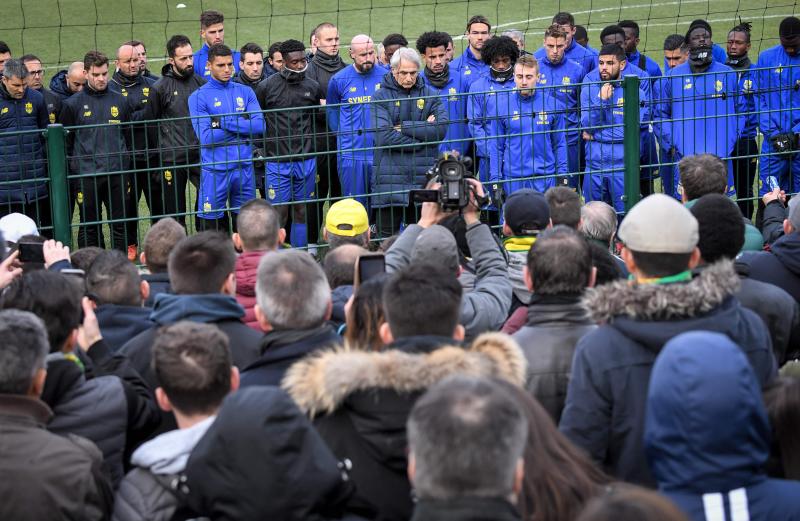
15, 69
491, 431
407, 54
292, 290
334, 240
25, 347
598, 221
514, 34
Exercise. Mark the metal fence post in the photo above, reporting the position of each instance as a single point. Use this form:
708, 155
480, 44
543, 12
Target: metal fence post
59, 192
632, 135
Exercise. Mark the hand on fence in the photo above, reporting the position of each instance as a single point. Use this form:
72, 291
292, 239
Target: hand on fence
54, 252
89, 331
775, 195
9, 270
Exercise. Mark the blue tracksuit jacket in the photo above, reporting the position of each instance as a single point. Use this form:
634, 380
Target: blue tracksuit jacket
454, 98
470, 67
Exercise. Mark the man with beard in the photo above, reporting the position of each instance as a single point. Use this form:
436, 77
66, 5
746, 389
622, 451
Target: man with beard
563, 76
602, 113
251, 66
645, 63
34, 81
321, 68
574, 51
290, 169
226, 118
777, 102
746, 151
700, 106
471, 64
530, 147
451, 87
100, 146
178, 144
349, 94
212, 31
499, 54
411, 120
129, 81
274, 59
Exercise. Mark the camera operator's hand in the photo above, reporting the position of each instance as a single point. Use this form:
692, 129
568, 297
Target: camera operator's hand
53, 252
472, 212
9, 270
89, 331
775, 195
431, 213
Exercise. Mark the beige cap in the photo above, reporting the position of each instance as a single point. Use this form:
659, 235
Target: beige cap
659, 224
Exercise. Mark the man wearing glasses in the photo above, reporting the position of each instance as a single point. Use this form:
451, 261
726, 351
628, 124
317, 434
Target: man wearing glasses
34, 81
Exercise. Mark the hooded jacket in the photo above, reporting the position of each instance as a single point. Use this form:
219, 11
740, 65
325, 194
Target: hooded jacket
59, 86
415, 147
118, 324
321, 68
780, 266
47, 476
360, 401
707, 433
246, 278
262, 459
146, 493
604, 411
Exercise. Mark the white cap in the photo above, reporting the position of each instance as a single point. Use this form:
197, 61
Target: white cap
659, 224
16, 225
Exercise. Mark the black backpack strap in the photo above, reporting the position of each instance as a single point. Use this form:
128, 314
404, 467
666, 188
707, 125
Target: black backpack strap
642, 61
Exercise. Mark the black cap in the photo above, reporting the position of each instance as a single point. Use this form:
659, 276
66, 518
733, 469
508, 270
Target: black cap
526, 212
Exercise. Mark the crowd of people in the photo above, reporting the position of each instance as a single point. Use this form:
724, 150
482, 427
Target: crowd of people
571, 363
299, 126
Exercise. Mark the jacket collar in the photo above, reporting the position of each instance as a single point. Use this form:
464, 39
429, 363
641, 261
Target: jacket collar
26, 408
322, 382
545, 309
646, 302
465, 509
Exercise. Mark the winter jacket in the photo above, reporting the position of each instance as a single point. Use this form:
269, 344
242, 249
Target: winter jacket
465, 509
218, 309
262, 459
281, 349
101, 144
468, 66
776, 85
780, 266
201, 61
360, 401
246, 277
290, 117
118, 324
321, 68
47, 476
604, 412
454, 96
159, 283
22, 146
137, 90
415, 147
169, 100
555, 325
577, 53
707, 434
486, 306
147, 493
59, 85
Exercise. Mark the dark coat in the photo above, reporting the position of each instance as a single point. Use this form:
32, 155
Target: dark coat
21, 148
555, 324
118, 324
606, 397
360, 402
772, 224
261, 459
707, 433
52, 102
281, 349
137, 90
159, 283
246, 278
417, 144
47, 476
780, 267
465, 509
321, 68
59, 86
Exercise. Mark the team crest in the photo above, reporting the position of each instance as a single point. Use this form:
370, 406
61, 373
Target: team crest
4, 111
52, 118
377, 86
29, 107
515, 116
114, 111
353, 89
747, 85
565, 80
240, 102
467, 72
79, 197
543, 117
452, 90
125, 93
271, 193
420, 104
207, 207
718, 85
620, 102
168, 175
146, 92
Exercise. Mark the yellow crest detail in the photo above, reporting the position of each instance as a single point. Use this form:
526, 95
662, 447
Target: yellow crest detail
353, 89
87, 114
747, 85
79, 197
420, 104
565, 80
515, 116
52, 117
620, 102
377, 86
271, 193
146, 92
114, 111
167, 175
240, 101
718, 85
217, 103
29, 107
4, 111
207, 207
452, 90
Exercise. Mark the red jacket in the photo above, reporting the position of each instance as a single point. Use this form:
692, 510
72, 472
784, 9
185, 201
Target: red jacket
246, 277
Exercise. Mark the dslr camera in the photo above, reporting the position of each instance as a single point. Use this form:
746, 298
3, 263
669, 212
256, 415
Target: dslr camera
452, 173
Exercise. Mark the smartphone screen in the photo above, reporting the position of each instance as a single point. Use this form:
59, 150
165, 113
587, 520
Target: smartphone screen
31, 252
368, 266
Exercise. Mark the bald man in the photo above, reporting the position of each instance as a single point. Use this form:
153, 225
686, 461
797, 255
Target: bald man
349, 94
67, 82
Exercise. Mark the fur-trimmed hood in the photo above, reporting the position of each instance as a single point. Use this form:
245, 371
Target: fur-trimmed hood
649, 302
321, 383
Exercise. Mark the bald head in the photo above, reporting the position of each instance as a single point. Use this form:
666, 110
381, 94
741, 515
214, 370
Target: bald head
76, 76
362, 52
339, 264
128, 60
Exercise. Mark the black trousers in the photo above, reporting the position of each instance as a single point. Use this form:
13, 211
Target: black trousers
744, 173
116, 192
390, 218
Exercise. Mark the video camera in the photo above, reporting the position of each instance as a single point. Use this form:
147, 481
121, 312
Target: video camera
454, 193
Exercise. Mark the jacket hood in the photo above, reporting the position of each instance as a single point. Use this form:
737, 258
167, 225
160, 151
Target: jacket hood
787, 249
388, 82
169, 452
247, 272
169, 72
706, 429
169, 308
321, 383
58, 83
261, 442
126, 81
650, 302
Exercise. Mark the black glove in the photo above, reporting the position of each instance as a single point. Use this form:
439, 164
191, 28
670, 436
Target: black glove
259, 161
784, 142
498, 195
216, 122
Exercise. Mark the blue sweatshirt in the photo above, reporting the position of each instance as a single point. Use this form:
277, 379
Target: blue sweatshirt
470, 67
201, 62
747, 86
563, 79
225, 117
777, 91
481, 109
608, 113
351, 121
454, 98
531, 142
